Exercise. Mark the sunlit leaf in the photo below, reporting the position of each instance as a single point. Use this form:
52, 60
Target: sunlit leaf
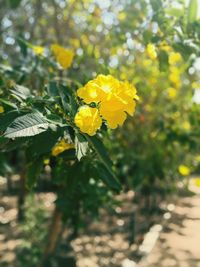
28, 125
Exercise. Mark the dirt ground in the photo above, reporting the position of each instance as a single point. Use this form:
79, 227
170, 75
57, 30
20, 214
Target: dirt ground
106, 243
179, 242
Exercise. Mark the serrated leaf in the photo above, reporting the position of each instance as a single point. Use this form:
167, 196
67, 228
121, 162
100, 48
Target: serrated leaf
28, 125
7, 118
81, 146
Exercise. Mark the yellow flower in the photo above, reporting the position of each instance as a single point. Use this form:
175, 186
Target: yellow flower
197, 181
115, 98
147, 63
174, 58
197, 158
186, 126
1, 109
38, 50
97, 90
46, 161
60, 147
165, 47
172, 93
151, 51
122, 16
63, 56
88, 120
118, 103
196, 85
175, 76
184, 170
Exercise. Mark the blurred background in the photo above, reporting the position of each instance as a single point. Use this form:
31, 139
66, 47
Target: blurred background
154, 44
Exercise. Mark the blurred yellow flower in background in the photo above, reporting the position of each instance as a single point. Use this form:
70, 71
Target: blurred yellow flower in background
196, 85
175, 76
151, 51
197, 181
186, 125
88, 120
38, 50
63, 56
184, 170
174, 58
1, 109
60, 147
46, 161
172, 92
165, 47
197, 158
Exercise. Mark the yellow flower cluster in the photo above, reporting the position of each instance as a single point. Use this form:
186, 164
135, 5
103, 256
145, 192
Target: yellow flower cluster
175, 76
60, 147
174, 58
151, 51
165, 47
172, 92
175, 72
63, 56
113, 98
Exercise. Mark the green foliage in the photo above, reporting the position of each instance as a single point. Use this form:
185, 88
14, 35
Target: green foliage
192, 11
34, 233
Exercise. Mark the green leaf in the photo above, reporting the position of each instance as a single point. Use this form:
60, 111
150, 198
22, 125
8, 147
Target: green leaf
175, 12
15, 144
107, 177
8, 103
68, 100
52, 89
33, 172
28, 125
81, 146
7, 118
23, 46
3, 141
192, 11
163, 61
42, 143
101, 151
21, 91
14, 3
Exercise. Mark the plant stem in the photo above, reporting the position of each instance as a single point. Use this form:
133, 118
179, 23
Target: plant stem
53, 236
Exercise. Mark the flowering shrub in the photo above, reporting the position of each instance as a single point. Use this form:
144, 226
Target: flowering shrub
58, 104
